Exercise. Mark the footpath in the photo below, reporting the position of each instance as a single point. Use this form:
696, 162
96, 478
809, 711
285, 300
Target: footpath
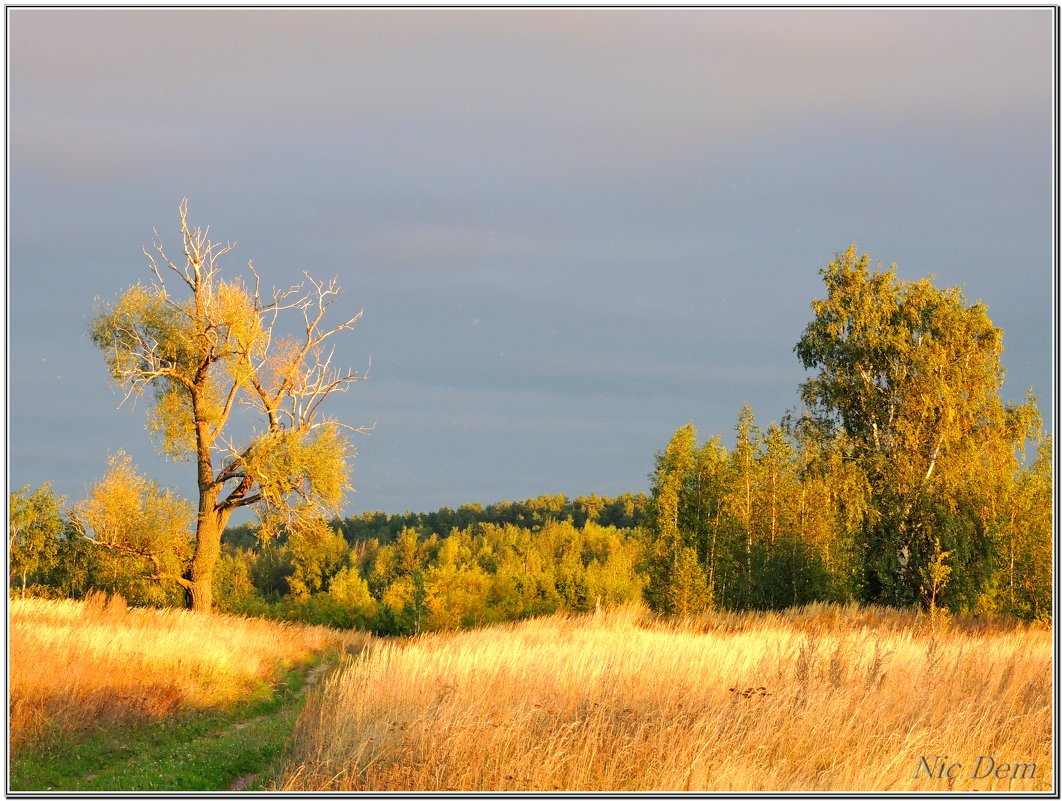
238, 749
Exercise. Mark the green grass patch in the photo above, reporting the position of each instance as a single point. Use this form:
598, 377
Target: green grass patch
206, 751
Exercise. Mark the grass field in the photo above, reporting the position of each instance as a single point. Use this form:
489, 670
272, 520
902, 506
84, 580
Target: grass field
818, 699
826, 698
83, 667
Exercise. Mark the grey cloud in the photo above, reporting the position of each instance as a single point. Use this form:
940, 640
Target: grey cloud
571, 230
601, 74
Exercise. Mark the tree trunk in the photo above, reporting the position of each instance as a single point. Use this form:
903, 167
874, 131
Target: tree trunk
774, 508
1012, 559
199, 595
711, 558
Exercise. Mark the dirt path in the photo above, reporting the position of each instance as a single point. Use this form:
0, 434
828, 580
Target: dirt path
315, 675
212, 750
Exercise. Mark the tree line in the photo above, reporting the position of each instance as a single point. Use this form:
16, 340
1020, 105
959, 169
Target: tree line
905, 479
622, 511
392, 574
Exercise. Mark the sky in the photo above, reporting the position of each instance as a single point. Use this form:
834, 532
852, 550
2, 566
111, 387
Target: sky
570, 231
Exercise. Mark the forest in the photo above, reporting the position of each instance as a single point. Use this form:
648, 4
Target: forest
392, 574
905, 480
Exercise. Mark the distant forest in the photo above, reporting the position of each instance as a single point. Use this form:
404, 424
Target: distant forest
623, 511
392, 573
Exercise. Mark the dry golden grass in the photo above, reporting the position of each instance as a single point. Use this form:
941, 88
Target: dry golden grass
75, 665
818, 699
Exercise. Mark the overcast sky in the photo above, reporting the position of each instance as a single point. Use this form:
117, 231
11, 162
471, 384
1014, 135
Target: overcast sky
571, 231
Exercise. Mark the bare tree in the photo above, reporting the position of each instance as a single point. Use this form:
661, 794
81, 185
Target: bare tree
217, 347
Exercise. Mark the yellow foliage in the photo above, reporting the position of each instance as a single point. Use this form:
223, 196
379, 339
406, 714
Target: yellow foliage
126, 510
301, 473
350, 589
398, 594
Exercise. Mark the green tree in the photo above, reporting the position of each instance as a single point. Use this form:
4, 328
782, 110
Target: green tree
233, 590
1033, 595
589, 508
349, 591
397, 579
35, 524
455, 586
217, 347
132, 517
664, 529
317, 554
778, 470
71, 573
610, 560
1022, 519
831, 507
270, 569
783, 562
935, 575
745, 473
687, 591
909, 375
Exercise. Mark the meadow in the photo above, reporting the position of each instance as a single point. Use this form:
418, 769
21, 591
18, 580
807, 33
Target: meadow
80, 667
819, 698
816, 699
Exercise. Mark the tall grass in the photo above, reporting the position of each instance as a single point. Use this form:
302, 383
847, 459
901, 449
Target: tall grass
825, 698
74, 665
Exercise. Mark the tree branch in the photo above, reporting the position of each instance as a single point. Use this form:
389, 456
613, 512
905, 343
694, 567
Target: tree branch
79, 526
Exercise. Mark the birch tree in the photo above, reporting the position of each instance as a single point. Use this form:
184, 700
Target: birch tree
35, 522
677, 583
910, 376
236, 379
745, 471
